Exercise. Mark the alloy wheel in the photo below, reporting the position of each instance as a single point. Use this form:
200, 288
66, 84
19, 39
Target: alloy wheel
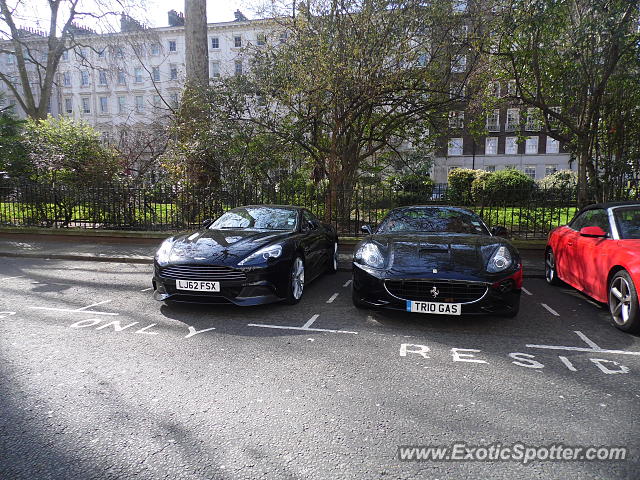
335, 256
620, 300
297, 278
550, 267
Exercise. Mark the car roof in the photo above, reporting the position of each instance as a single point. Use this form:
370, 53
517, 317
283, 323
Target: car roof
416, 207
292, 207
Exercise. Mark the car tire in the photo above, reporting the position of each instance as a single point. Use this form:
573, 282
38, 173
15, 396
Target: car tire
623, 302
357, 301
295, 287
333, 259
514, 311
550, 271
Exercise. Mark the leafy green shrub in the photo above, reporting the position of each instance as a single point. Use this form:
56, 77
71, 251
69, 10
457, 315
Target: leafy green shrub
460, 181
562, 183
412, 189
503, 187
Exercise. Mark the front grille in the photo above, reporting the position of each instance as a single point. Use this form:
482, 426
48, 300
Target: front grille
203, 272
447, 292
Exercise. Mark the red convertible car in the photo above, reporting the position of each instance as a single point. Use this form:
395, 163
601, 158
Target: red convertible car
599, 254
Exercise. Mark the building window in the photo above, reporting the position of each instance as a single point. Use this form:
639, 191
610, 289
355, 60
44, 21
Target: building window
155, 74
238, 68
553, 122
284, 36
261, 39
84, 78
139, 101
106, 138
511, 167
459, 5
68, 105
155, 49
215, 43
86, 105
530, 171
457, 90
455, 146
553, 145
531, 146
137, 75
173, 47
156, 101
490, 168
102, 77
237, 41
493, 121
122, 104
456, 119
511, 88
533, 120
550, 169
511, 145
494, 89
491, 146
65, 55
513, 120
173, 98
119, 52
423, 59
174, 72
215, 69
104, 104
81, 54
122, 77
459, 64
66, 79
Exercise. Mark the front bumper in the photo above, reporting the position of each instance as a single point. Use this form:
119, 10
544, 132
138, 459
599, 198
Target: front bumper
502, 296
262, 285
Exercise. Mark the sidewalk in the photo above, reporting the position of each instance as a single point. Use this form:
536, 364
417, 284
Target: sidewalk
141, 250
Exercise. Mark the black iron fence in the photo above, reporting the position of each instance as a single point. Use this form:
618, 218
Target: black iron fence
529, 214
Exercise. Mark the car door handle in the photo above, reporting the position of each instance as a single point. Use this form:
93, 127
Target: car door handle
570, 244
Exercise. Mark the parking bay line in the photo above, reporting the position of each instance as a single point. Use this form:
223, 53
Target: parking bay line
550, 310
526, 291
593, 347
78, 310
347, 283
305, 327
333, 297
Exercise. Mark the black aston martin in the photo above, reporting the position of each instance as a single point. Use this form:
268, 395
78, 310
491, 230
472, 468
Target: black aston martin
250, 255
437, 260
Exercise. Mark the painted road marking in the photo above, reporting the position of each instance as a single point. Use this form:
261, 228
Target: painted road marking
305, 327
593, 348
146, 289
11, 278
526, 291
333, 297
347, 283
550, 310
6, 314
78, 310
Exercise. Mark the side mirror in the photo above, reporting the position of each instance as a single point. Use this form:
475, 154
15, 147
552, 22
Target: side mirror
308, 226
207, 223
594, 232
500, 231
366, 229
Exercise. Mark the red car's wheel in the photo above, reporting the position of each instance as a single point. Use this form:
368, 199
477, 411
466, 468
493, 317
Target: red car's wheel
550, 273
623, 302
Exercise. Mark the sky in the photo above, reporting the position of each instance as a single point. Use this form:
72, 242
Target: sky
35, 13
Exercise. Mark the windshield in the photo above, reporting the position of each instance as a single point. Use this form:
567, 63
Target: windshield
257, 218
433, 220
628, 222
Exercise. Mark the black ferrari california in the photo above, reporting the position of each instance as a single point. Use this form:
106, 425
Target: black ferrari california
437, 260
250, 255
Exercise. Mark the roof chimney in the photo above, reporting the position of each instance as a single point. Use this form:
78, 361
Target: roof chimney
176, 19
240, 16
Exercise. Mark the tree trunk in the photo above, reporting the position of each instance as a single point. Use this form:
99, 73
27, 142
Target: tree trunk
583, 160
196, 45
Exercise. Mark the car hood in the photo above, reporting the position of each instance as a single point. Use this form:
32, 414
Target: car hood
423, 253
226, 246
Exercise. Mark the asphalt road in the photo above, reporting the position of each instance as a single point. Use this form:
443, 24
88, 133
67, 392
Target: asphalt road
97, 380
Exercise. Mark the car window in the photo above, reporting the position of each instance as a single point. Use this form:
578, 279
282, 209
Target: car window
433, 220
628, 222
257, 218
592, 218
309, 217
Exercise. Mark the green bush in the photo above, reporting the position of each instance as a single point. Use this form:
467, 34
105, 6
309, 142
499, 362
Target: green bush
503, 187
562, 183
412, 189
460, 182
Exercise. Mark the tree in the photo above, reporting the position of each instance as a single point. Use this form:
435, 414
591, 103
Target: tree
38, 53
13, 157
563, 56
347, 79
196, 49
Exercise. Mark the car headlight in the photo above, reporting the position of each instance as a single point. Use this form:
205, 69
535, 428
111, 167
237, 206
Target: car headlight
164, 252
262, 255
369, 254
500, 261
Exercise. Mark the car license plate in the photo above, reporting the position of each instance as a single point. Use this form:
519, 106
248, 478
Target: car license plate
434, 308
198, 286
